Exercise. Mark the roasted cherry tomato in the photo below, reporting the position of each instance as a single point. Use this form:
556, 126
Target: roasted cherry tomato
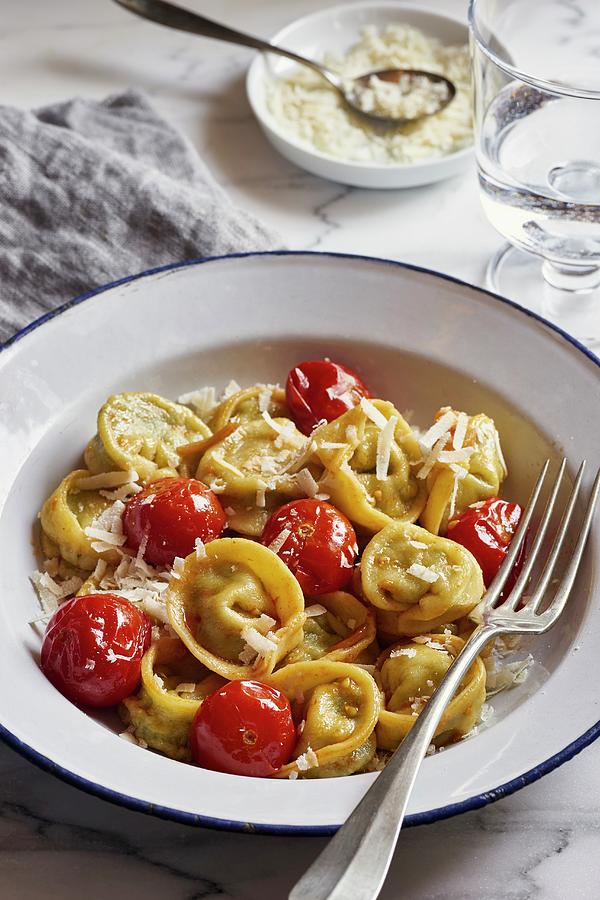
486, 529
169, 515
244, 728
321, 545
93, 649
320, 390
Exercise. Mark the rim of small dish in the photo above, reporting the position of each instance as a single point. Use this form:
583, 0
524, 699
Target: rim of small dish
165, 812
271, 122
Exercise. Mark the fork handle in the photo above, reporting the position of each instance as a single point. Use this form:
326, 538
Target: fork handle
354, 864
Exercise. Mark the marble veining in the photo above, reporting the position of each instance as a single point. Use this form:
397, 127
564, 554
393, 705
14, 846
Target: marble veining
57, 843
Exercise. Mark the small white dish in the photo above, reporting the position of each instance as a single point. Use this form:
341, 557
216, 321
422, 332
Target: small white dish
337, 29
422, 340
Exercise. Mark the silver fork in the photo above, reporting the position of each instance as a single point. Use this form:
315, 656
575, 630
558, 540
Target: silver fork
354, 864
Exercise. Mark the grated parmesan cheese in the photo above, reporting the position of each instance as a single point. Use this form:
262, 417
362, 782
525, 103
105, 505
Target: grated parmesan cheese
460, 432
264, 399
431, 459
372, 413
306, 483
352, 434
262, 644
201, 402
456, 456
199, 548
178, 564
424, 573
230, 389
418, 545
315, 610
308, 760
385, 439
278, 542
438, 430
404, 651
106, 480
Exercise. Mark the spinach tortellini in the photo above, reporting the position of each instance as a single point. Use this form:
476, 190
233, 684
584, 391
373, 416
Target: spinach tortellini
249, 466
339, 704
247, 405
65, 515
358, 665
408, 674
142, 432
418, 581
174, 683
371, 468
483, 473
342, 631
238, 609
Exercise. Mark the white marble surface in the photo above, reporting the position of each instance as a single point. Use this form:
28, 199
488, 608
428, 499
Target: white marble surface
56, 842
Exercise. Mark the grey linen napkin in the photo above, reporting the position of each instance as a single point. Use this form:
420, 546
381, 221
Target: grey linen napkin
91, 192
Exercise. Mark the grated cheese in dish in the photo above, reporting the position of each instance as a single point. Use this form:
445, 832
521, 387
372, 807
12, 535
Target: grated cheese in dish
311, 111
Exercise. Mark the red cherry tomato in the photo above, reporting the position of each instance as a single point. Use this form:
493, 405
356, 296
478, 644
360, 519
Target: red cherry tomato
93, 649
319, 391
486, 530
321, 547
170, 514
244, 728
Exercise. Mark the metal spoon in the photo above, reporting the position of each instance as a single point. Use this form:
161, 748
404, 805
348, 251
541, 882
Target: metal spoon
357, 92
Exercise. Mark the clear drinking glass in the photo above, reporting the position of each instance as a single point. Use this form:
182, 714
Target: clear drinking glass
536, 68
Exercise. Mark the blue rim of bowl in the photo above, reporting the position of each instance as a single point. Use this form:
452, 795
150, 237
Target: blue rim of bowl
176, 815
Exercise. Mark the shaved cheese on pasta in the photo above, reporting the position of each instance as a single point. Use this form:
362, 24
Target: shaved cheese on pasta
106, 480
404, 651
308, 760
278, 542
199, 548
315, 610
455, 456
425, 573
460, 432
262, 644
385, 439
418, 545
439, 428
352, 434
306, 483
432, 458
373, 413
264, 398
232, 388
202, 402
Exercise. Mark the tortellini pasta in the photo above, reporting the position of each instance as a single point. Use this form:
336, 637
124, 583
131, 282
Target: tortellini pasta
141, 431
174, 683
238, 585
65, 515
339, 704
349, 447
417, 580
248, 404
344, 630
485, 471
249, 468
409, 672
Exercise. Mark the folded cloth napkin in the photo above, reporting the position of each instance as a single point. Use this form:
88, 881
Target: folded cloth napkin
91, 192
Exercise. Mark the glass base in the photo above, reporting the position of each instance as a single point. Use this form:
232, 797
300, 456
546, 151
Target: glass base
569, 298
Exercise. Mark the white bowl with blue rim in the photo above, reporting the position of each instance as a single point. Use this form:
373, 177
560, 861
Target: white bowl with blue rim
422, 340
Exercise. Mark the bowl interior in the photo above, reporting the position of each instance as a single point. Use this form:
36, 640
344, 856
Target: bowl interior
419, 341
